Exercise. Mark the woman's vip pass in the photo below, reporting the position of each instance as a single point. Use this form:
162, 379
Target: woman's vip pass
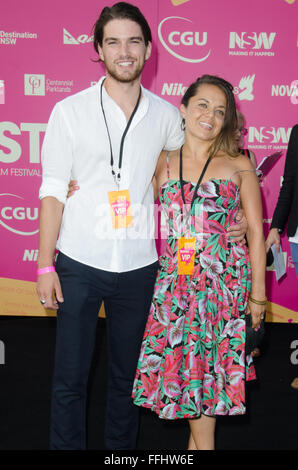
186, 255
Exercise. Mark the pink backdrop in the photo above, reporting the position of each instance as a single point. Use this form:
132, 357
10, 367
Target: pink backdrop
46, 54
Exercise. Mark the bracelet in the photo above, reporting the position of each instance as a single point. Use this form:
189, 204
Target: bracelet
48, 269
258, 302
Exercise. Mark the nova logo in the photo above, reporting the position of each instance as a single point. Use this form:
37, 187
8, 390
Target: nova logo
69, 39
181, 41
252, 40
286, 90
270, 135
16, 217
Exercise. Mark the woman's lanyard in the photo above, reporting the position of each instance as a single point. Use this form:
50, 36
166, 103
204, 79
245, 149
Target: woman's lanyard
117, 176
198, 183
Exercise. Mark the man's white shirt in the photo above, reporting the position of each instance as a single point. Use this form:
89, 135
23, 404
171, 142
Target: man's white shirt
76, 146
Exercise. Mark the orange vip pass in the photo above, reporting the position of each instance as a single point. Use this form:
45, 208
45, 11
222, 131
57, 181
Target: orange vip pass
186, 255
120, 206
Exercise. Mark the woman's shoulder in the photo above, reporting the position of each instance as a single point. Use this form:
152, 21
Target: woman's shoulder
242, 163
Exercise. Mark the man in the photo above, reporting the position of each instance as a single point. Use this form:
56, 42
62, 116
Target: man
109, 138
286, 210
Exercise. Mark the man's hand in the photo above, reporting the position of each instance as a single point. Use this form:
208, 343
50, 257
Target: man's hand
237, 231
49, 289
273, 239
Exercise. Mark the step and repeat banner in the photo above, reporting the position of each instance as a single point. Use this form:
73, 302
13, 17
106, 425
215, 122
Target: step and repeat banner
46, 54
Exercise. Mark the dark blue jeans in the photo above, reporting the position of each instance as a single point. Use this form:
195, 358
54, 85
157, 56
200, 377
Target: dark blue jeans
127, 297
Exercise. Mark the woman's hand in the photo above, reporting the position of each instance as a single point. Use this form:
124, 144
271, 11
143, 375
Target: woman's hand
257, 313
72, 187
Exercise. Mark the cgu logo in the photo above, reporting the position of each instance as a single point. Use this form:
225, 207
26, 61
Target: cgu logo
13, 212
69, 39
251, 40
269, 135
176, 42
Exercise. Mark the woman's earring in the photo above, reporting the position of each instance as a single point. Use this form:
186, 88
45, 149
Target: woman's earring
183, 124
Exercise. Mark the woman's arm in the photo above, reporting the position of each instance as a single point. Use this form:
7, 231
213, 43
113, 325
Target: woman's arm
252, 205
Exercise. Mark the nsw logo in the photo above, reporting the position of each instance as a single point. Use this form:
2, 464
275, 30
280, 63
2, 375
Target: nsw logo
270, 135
16, 216
252, 40
179, 37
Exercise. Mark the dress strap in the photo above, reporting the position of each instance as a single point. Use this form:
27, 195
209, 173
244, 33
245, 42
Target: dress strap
168, 165
246, 153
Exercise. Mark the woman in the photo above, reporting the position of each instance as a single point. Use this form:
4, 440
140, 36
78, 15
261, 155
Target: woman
192, 361
240, 132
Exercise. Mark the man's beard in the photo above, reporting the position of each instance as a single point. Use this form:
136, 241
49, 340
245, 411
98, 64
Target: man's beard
122, 78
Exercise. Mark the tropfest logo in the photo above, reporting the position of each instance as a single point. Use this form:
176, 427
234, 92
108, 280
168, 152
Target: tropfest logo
179, 37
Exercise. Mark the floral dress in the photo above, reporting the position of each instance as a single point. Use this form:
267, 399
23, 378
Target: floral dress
192, 359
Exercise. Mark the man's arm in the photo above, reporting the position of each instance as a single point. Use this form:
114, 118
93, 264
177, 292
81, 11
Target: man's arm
282, 210
238, 230
49, 226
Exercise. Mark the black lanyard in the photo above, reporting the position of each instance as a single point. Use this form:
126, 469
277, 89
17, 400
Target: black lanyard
198, 183
117, 176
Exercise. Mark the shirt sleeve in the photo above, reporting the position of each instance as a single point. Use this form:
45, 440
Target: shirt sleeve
285, 199
175, 135
56, 157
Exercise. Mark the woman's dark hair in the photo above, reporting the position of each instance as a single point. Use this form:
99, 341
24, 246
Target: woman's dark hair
225, 141
120, 10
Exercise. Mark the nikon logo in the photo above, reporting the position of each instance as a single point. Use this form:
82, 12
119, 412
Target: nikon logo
173, 89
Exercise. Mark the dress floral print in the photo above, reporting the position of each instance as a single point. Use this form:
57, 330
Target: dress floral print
192, 358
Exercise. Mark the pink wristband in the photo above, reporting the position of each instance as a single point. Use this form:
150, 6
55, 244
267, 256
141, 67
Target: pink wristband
48, 269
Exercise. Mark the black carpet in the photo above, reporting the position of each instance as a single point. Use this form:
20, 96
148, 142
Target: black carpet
271, 422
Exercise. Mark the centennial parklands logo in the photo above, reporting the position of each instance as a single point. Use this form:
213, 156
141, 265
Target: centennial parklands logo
179, 36
251, 44
39, 85
34, 84
81, 39
16, 216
